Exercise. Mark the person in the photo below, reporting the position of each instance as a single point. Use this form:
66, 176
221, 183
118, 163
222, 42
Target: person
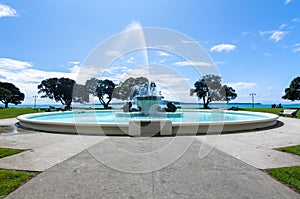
63, 107
170, 107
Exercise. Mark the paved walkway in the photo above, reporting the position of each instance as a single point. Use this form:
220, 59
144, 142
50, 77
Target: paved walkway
257, 148
43, 150
212, 167
218, 175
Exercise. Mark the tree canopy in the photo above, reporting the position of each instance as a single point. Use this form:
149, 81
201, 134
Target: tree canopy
80, 94
58, 89
103, 89
123, 89
209, 88
229, 93
293, 91
10, 94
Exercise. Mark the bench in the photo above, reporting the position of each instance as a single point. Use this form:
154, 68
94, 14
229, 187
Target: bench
291, 112
234, 108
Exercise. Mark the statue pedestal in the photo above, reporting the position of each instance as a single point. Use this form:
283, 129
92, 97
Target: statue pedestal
148, 103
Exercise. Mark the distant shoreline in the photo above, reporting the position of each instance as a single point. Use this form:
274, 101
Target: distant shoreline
182, 105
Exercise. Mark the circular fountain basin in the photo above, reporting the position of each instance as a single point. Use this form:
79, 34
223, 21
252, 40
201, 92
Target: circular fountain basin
185, 122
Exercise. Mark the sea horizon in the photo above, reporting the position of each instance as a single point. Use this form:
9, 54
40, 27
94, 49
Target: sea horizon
182, 105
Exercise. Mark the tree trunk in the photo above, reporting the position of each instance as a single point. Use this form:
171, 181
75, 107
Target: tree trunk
105, 106
206, 106
205, 103
6, 104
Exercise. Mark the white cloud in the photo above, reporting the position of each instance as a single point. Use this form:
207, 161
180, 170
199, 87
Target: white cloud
26, 78
223, 47
278, 35
296, 48
262, 33
220, 62
275, 35
162, 61
7, 63
297, 20
74, 62
130, 60
192, 63
187, 41
115, 70
245, 33
238, 86
288, 1
113, 53
6, 11
268, 54
163, 54
282, 26
133, 26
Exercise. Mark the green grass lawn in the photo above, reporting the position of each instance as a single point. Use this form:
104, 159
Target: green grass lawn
268, 110
292, 149
10, 180
265, 110
14, 112
290, 175
7, 152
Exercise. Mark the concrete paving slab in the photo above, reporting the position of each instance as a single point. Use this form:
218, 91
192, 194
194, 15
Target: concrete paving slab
257, 148
218, 175
9, 121
84, 176
43, 150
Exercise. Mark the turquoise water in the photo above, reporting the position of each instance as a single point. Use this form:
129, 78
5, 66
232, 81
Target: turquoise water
110, 117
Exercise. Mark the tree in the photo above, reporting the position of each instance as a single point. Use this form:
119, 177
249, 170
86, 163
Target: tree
293, 91
103, 89
201, 89
58, 89
229, 93
123, 89
80, 94
10, 94
209, 88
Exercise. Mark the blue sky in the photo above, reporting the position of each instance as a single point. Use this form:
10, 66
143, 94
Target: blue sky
254, 44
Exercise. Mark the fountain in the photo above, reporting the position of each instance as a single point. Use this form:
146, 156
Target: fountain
194, 61
146, 98
147, 103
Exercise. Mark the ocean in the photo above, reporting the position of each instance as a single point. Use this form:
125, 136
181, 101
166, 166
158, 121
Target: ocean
182, 105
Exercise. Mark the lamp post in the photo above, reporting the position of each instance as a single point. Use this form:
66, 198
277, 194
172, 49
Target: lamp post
35, 96
252, 94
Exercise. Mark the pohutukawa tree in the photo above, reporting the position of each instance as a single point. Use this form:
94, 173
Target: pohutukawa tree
229, 93
60, 90
103, 89
80, 93
209, 88
124, 89
10, 94
293, 91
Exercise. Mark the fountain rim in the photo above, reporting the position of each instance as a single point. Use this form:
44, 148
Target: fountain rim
25, 118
